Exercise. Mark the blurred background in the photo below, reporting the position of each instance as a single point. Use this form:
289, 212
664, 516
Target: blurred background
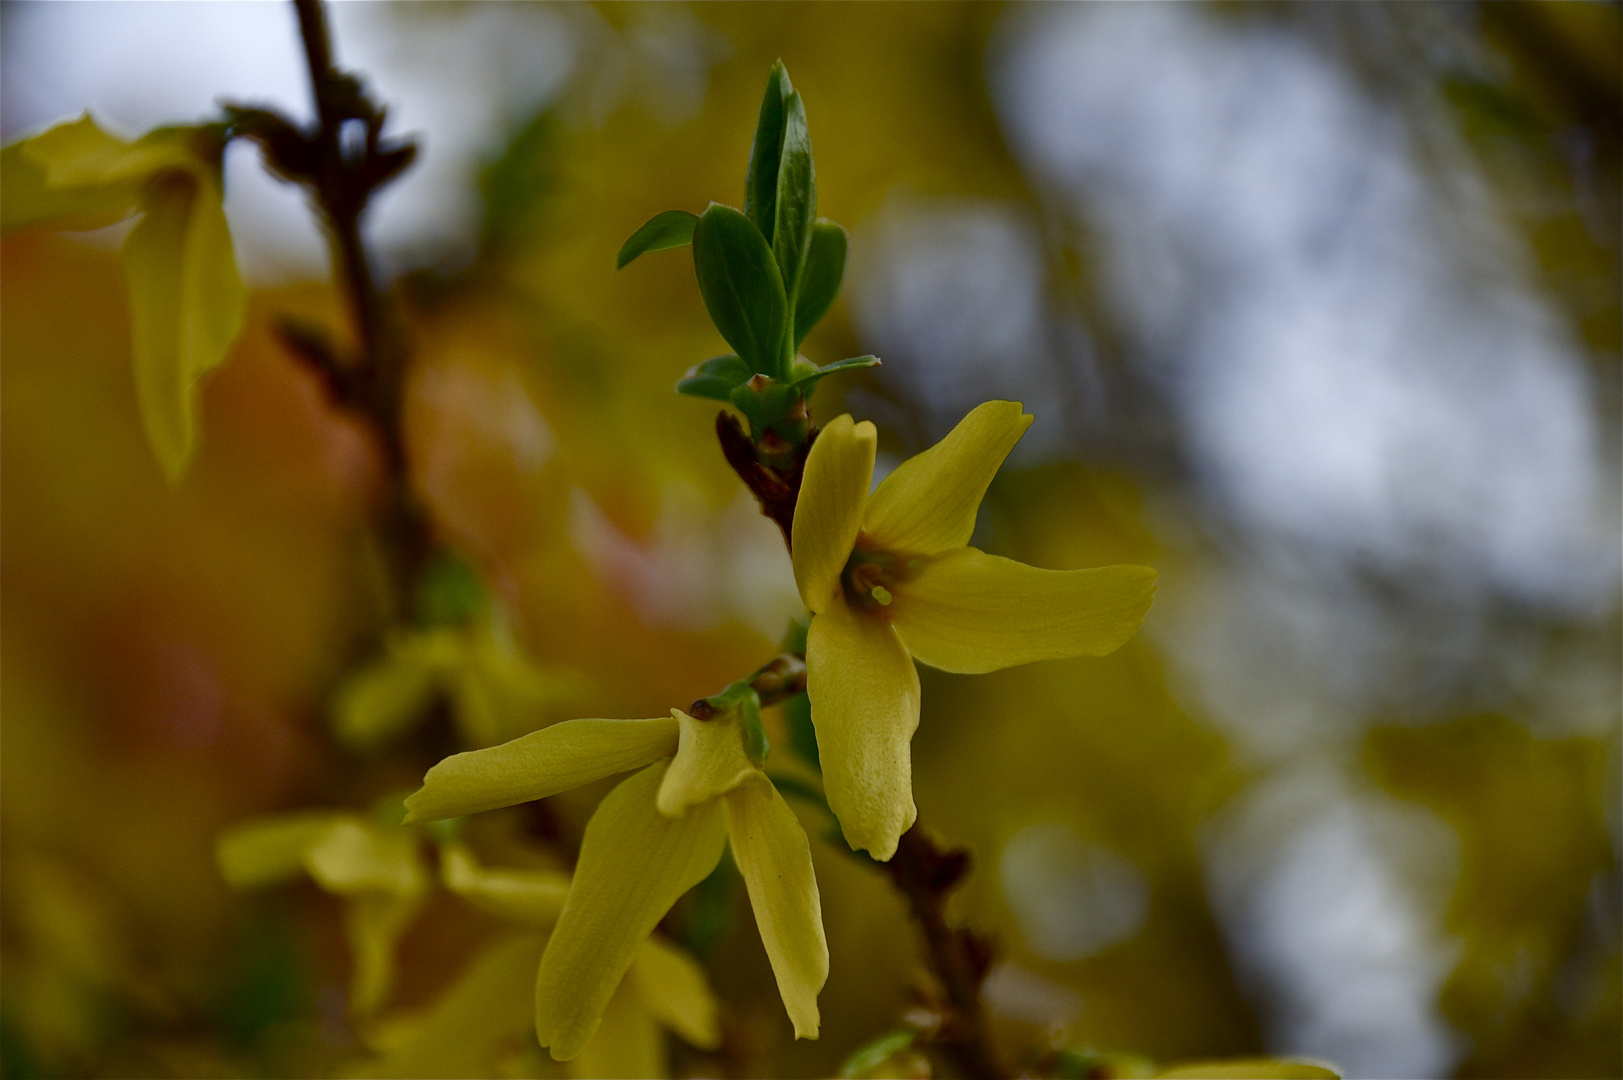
1317, 309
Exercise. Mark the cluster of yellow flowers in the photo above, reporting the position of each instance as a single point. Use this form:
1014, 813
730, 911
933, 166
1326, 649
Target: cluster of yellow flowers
889, 578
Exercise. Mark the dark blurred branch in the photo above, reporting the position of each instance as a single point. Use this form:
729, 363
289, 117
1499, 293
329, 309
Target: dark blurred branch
341, 161
926, 874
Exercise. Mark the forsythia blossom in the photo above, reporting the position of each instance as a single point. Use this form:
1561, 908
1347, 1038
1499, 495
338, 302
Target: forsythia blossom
187, 300
654, 837
377, 868
889, 579
477, 1023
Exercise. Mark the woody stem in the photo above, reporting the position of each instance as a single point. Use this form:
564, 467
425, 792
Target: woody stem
372, 386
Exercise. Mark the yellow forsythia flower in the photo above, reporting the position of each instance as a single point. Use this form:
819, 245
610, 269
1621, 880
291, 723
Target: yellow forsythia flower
186, 298
486, 1011
654, 837
888, 579
494, 689
377, 868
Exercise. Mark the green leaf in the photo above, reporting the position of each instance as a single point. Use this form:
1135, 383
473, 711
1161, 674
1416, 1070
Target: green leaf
808, 383
715, 378
739, 281
821, 277
796, 206
870, 1058
756, 744
761, 181
672, 229
449, 591
186, 306
765, 406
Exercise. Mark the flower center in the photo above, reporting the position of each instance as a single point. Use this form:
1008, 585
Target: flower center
871, 576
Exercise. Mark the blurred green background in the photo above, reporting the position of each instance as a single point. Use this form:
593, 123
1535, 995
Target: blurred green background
1316, 306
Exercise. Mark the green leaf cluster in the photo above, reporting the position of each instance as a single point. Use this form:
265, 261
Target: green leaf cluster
767, 274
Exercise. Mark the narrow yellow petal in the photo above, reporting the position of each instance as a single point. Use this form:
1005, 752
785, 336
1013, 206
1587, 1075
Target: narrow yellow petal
865, 706
828, 512
674, 988
27, 196
355, 856
187, 303
467, 1025
634, 863
710, 761
373, 922
970, 612
928, 504
153, 256
774, 858
77, 153
539, 764
534, 897
268, 850
180, 148
628, 1045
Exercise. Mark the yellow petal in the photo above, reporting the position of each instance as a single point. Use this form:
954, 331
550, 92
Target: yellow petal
28, 197
539, 764
269, 850
828, 511
865, 706
928, 504
74, 153
186, 306
971, 612
355, 856
460, 1033
674, 988
373, 922
634, 863
710, 761
774, 858
535, 897
179, 148
628, 1044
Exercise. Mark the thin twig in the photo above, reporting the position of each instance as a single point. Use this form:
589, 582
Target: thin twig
926, 874
342, 160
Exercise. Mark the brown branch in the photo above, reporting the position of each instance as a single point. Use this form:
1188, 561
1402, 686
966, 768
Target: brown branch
926, 874
779, 679
776, 489
342, 160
